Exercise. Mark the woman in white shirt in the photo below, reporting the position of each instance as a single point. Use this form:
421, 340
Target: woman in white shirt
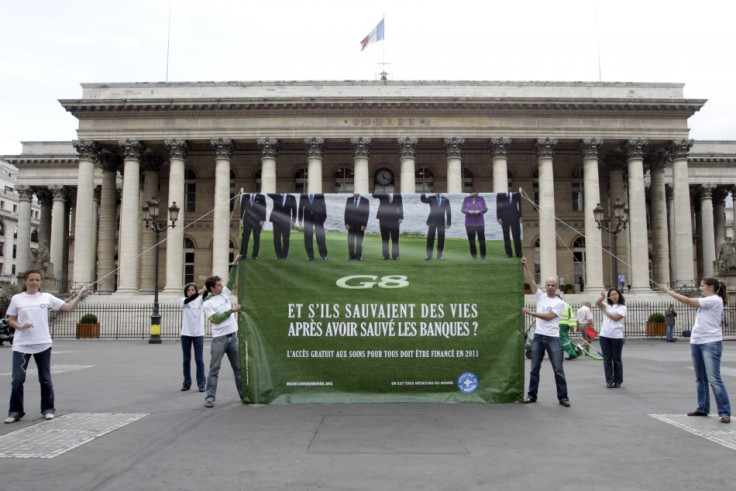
192, 334
612, 336
28, 314
706, 345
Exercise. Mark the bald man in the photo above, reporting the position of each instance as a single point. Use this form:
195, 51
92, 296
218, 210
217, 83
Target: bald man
546, 336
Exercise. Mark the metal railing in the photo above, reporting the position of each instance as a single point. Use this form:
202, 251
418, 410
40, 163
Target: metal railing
134, 320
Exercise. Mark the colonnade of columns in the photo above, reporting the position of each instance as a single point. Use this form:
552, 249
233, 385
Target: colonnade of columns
634, 242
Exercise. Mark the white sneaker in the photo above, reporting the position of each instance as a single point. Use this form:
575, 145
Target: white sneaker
11, 419
48, 416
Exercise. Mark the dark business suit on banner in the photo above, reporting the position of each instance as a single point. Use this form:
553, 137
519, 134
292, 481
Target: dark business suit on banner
252, 216
440, 218
508, 214
390, 215
283, 217
312, 215
357, 210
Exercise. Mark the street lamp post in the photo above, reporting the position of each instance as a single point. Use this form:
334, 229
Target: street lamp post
621, 215
151, 222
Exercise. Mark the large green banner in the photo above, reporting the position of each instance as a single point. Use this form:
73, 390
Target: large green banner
391, 321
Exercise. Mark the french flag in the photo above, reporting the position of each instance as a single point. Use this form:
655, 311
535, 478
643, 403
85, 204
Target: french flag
375, 35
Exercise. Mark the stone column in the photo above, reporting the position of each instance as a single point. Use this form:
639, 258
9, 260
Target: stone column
8, 231
684, 268
269, 152
178, 150
547, 217
617, 190
23, 242
719, 216
453, 152
361, 152
639, 244
314, 164
44, 226
407, 152
670, 193
593, 245
58, 232
499, 153
108, 207
659, 221
707, 232
221, 218
84, 248
151, 167
130, 217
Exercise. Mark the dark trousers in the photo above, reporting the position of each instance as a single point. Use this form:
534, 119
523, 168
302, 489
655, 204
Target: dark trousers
187, 342
440, 232
281, 235
512, 228
479, 232
390, 232
355, 242
247, 229
612, 365
310, 230
18, 378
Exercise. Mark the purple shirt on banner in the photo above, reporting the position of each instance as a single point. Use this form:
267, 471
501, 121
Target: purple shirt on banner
479, 205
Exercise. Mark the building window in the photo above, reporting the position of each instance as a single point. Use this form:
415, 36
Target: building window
424, 180
300, 181
2, 229
258, 181
467, 180
188, 260
15, 251
231, 254
190, 179
535, 189
233, 191
2, 249
15, 208
34, 236
344, 180
578, 199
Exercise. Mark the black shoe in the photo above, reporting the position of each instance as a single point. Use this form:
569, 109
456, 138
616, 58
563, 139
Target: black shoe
428, 258
385, 258
616, 386
255, 258
184, 388
609, 386
508, 255
359, 258
310, 259
697, 413
530, 400
324, 258
201, 389
440, 258
565, 402
570, 357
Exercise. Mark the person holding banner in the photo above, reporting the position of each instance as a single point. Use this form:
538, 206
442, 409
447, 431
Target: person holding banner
546, 337
390, 214
192, 335
474, 207
252, 216
312, 215
218, 309
439, 219
357, 211
283, 217
612, 336
584, 319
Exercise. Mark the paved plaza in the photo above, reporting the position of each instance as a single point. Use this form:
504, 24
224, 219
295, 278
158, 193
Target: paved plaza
123, 424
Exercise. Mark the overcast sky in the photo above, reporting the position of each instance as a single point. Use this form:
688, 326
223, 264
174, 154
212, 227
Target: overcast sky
49, 47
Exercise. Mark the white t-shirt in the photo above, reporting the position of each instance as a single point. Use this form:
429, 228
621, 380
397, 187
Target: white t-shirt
611, 328
546, 304
192, 322
707, 326
216, 305
35, 309
584, 316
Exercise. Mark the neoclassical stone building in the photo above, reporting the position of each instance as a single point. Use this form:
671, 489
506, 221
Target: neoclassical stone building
567, 146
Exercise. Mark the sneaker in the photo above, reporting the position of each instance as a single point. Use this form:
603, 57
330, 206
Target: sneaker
11, 419
184, 387
209, 403
565, 402
201, 389
48, 416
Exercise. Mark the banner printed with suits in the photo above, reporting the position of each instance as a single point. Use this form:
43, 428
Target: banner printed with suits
402, 306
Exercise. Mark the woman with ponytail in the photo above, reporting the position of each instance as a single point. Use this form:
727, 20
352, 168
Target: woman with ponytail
706, 345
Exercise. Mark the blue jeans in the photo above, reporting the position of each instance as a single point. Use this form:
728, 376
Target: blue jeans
670, 332
613, 367
186, 347
552, 346
707, 364
20, 365
222, 345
